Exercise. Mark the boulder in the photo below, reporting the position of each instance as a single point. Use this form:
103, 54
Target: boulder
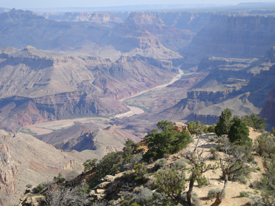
179, 127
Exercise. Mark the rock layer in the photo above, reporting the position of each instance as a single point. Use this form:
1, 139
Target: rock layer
268, 110
233, 36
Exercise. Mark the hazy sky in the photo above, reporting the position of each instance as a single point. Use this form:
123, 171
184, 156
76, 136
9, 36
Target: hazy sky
19, 4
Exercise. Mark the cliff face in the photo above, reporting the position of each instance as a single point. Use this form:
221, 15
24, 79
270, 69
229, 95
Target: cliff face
209, 95
260, 85
101, 34
139, 23
41, 86
27, 160
100, 18
8, 172
268, 110
192, 21
18, 112
233, 36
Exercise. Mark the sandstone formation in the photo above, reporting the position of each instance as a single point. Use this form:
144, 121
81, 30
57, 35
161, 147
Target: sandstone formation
179, 127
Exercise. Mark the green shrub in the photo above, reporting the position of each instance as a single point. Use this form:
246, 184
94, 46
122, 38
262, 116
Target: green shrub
214, 153
39, 188
211, 129
196, 128
241, 179
166, 141
59, 178
273, 131
128, 150
170, 181
244, 194
259, 169
239, 133
160, 163
135, 204
136, 158
213, 193
180, 164
255, 122
268, 184
144, 196
264, 145
140, 171
89, 164
202, 181
255, 184
196, 200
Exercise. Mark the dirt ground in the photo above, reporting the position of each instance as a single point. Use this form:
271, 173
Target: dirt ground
233, 189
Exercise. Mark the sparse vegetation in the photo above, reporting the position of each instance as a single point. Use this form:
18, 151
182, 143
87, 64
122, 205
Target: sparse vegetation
197, 128
89, 164
140, 171
211, 129
160, 163
168, 179
213, 193
172, 183
264, 145
59, 178
255, 121
268, 184
244, 194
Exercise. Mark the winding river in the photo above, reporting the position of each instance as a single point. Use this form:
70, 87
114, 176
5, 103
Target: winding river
48, 127
137, 110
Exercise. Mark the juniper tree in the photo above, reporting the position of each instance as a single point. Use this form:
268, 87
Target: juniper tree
224, 122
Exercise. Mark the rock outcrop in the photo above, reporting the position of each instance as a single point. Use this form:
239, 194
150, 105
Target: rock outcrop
8, 173
25, 160
179, 127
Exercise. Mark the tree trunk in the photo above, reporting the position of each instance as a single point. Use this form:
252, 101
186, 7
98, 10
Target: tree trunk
189, 193
218, 200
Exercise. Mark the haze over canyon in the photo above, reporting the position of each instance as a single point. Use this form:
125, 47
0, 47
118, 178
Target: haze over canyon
76, 85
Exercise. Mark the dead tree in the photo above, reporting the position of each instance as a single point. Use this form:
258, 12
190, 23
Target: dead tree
198, 167
234, 156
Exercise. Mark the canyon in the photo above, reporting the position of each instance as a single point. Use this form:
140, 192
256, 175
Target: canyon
70, 82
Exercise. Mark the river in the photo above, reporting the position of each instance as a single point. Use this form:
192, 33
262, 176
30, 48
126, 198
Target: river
48, 127
137, 110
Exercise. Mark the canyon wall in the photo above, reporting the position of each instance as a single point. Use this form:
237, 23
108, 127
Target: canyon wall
268, 110
238, 36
